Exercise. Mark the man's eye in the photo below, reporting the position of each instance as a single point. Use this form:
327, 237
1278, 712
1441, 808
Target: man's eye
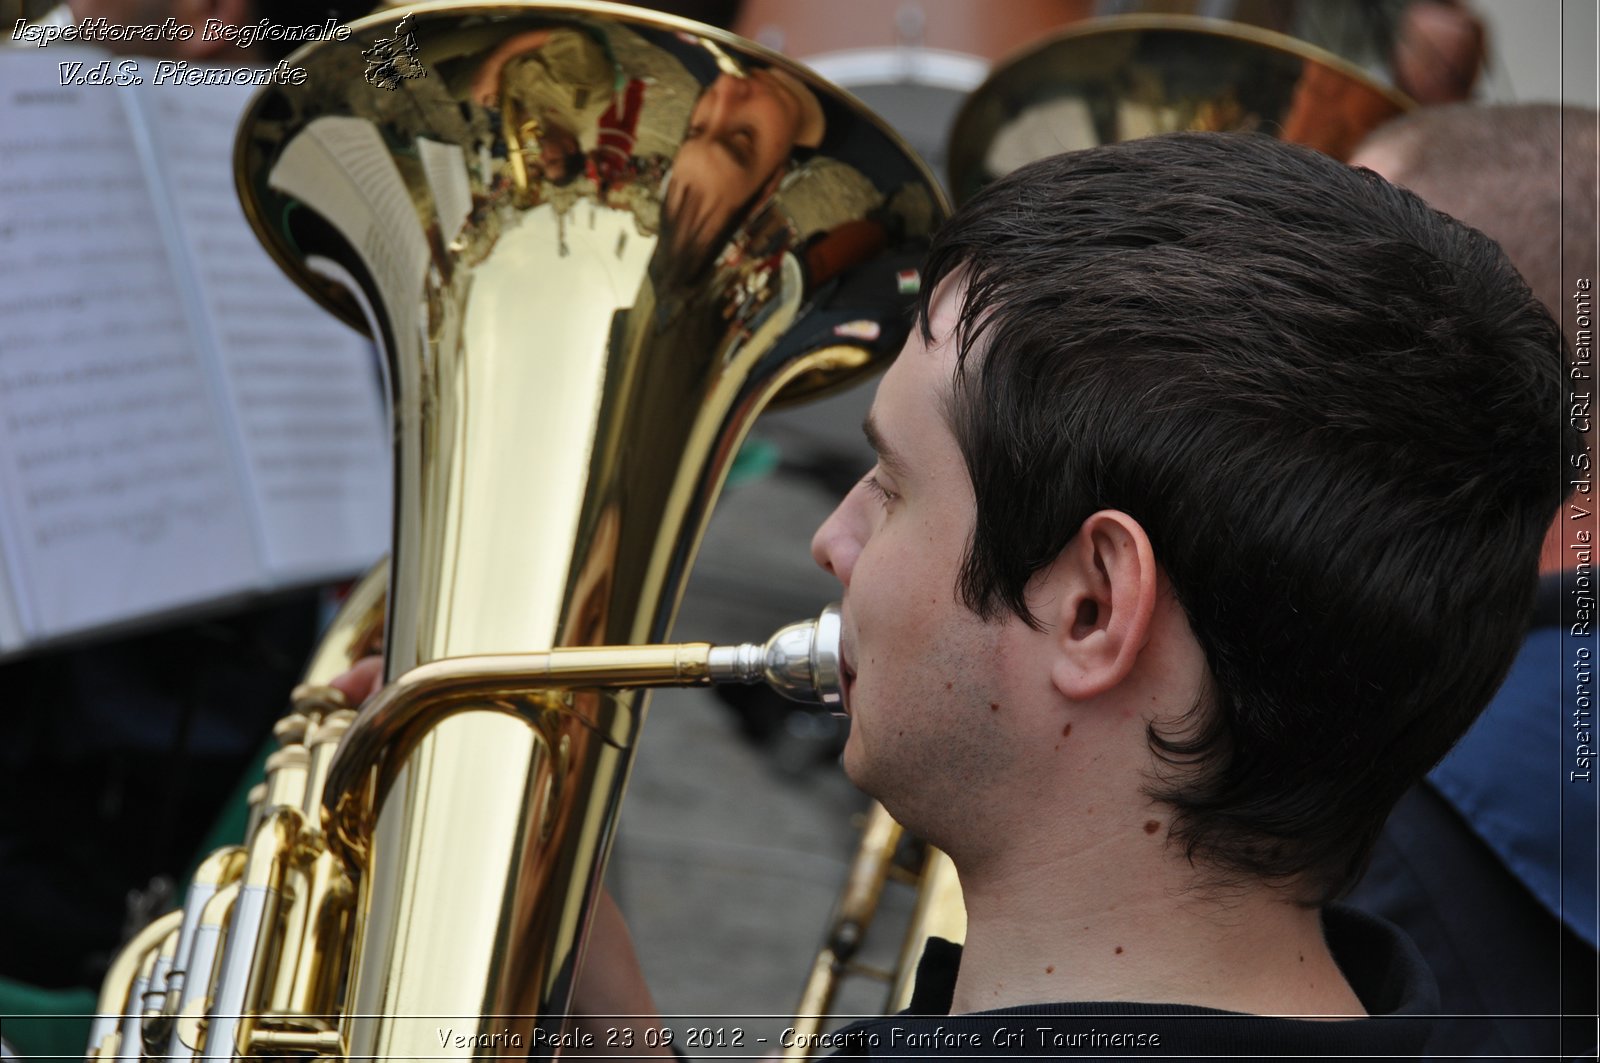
870, 482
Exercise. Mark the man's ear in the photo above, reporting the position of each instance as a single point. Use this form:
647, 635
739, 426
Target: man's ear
197, 13
1103, 593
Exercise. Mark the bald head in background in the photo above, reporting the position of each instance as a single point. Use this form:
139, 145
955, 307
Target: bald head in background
1493, 878
1523, 174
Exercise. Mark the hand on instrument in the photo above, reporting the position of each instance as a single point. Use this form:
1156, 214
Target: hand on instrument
361, 681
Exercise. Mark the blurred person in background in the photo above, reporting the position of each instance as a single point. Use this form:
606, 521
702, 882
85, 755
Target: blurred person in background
1489, 863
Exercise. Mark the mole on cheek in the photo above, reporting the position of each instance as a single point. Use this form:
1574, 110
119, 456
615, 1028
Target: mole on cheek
1119, 950
994, 706
1065, 731
1151, 826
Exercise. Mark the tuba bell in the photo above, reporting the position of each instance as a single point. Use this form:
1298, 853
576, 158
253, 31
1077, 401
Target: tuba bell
585, 286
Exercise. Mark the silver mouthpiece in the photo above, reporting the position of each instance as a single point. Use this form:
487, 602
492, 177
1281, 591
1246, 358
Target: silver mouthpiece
801, 661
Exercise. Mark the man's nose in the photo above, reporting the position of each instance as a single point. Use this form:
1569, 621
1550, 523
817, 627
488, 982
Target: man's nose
837, 543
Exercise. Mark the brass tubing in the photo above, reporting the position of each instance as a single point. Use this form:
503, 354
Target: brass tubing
188, 1033
388, 727
313, 984
287, 772
215, 871
318, 892
256, 802
323, 742
353, 633
155, 1021
292, 920
248, 951
118, 984
858, 904
940, 912
800, 661
131, 1037
295, 1043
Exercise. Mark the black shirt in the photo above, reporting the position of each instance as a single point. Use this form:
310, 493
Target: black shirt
1379, 962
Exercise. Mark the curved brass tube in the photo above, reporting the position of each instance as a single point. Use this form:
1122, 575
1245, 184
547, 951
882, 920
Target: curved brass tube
801, 661
116, 992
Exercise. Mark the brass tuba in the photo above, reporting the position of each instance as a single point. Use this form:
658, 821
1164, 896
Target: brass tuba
586, 282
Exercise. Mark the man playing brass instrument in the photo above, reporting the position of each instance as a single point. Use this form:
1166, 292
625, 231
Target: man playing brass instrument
1206, 517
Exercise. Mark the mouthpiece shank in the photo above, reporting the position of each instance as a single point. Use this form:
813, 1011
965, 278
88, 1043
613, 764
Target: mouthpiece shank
801, 661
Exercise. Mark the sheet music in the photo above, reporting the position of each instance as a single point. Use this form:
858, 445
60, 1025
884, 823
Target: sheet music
120, 491
340, 168
12, 634
304, 387
445, 166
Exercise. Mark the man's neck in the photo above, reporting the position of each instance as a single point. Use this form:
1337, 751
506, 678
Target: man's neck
1040, 933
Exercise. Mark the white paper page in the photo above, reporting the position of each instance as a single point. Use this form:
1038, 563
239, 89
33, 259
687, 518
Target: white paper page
119, 483
340, 168
305, 388
445, 166
12, 636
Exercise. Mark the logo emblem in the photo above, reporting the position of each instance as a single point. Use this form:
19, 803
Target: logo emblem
392, 60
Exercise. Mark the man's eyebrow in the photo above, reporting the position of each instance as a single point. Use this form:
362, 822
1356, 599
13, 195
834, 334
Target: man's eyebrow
886, 454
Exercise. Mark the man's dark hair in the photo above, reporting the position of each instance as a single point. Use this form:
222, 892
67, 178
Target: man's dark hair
1335, 412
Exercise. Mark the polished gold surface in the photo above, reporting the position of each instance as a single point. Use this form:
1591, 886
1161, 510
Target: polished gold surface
117, 992
253, 936
870, 870
882, 856
1115, 79
593, 244
941, 912
356, 631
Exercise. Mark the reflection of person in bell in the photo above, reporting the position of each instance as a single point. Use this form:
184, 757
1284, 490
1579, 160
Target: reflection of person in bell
742, 132
549, 84
567, 109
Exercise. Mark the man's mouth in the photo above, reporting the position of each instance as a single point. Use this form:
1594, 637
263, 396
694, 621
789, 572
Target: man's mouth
847, 673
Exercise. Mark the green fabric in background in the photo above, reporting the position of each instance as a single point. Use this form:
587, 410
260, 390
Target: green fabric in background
44, 1023
40, 1023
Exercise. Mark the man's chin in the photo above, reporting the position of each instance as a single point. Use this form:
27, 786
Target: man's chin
854, 761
